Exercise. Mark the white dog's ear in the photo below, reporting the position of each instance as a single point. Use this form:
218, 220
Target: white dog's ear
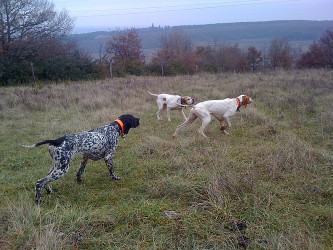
246, 100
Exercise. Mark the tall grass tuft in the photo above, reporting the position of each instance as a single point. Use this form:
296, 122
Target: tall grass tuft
26, 224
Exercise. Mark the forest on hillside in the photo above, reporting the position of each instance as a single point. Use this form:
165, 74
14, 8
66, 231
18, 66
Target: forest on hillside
36, 44
299, 34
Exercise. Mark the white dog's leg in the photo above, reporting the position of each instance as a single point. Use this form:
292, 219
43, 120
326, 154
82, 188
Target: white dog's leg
190, 119
183, 113
227, 119
205, 121
158, 114
168, 114
223, 128
159, 111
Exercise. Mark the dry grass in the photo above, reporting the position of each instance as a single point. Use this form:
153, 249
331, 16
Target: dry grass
267, 185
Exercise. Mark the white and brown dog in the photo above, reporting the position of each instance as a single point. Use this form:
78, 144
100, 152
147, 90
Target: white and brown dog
172, 102
222, 110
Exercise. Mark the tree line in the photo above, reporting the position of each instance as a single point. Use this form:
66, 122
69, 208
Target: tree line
32, 48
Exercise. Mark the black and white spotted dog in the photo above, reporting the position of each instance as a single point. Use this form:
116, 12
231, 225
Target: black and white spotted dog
96, 144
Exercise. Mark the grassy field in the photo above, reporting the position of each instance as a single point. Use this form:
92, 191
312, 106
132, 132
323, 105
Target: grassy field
267, 185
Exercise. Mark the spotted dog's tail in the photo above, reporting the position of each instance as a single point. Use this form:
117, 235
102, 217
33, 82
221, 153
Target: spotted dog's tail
152, 93
31, 146
56, 142
38, 144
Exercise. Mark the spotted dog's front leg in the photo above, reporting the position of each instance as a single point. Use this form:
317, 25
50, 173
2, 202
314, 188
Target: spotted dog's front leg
80, 172
109, 164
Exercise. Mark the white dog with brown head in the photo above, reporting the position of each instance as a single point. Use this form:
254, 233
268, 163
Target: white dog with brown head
172, 102
222, 110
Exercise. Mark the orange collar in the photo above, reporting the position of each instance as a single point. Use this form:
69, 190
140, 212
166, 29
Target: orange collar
238, 102
121, 124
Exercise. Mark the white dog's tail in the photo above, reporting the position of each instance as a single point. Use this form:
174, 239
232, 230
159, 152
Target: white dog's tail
152, 93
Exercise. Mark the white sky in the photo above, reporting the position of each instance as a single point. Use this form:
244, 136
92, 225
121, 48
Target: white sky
96, 15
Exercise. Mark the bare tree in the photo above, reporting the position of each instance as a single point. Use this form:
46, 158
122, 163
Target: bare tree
231, 58
176, 50
222, 58
254, 58
319, 54
175, 45
26, 23
313, 58
125, 51
280, 54
326, 42
126, 46
206, 58
26, 29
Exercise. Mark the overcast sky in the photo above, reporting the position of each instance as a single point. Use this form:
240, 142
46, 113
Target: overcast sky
96, 15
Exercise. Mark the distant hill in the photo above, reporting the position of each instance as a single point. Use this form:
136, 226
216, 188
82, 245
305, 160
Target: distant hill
259, 34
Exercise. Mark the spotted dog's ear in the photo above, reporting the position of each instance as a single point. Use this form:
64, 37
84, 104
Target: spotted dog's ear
129, 122
136, 122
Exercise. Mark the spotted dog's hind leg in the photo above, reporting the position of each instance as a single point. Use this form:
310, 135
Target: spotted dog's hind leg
60, 166
80, 172
48, 189
52, 176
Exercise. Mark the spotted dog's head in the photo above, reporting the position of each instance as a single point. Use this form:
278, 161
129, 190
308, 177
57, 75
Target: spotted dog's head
129, 122
187, 100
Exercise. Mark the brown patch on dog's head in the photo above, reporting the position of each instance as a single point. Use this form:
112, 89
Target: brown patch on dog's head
164, 99
246, 100
187, 100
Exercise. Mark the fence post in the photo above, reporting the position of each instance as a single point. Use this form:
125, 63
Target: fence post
111, 68
33, 71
